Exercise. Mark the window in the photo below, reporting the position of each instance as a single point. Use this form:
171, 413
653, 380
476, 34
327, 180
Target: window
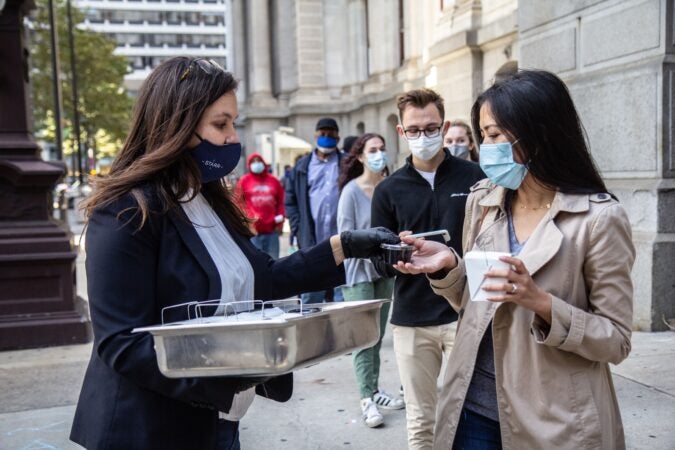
147, 61
212, 18
192, 18
152, 16
115, 16
173, 17
136, 62
134, 17
213, 41
129, 38
95, 16
161, 39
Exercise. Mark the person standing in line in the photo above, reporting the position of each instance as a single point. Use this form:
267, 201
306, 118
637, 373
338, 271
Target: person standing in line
312, 197
428, 193
459, 140
284, 178
261, 196
530, 368
292, 240
362, 170
347, 144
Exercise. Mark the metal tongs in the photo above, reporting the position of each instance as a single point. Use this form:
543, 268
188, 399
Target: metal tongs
444, 233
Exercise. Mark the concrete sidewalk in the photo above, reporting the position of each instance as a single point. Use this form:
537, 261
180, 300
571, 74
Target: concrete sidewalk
40, 388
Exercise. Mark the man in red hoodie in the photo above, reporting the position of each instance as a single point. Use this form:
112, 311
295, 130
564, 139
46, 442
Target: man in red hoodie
261, 195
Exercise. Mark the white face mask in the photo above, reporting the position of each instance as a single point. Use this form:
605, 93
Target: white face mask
425, 147
257, 167
326, 151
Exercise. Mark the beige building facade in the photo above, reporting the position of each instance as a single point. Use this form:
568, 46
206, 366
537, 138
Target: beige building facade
300, 60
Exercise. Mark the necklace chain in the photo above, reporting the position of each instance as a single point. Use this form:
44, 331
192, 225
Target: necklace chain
534, 208
522, 205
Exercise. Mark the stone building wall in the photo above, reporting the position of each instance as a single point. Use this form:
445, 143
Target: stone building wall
305, 59
617, 58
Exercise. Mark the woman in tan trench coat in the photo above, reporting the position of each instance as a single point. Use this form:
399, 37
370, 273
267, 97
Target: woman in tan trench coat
529, 369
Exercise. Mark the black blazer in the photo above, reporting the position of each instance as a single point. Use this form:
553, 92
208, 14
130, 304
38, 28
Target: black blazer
125, 402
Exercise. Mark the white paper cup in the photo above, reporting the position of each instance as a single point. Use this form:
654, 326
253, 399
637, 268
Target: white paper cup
477, 263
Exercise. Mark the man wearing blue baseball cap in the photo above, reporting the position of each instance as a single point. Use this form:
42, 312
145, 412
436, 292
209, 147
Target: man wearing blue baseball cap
312, 196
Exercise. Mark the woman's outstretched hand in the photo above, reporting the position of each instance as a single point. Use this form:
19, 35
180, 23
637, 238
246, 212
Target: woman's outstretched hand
428, 257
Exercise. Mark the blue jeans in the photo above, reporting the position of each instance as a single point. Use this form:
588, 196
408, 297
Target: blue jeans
268, 243
476, 432
227, 435
322, 296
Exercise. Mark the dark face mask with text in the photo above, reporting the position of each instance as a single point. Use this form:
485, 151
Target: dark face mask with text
215, 161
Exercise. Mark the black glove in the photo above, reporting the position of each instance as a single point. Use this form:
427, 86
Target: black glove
366, 243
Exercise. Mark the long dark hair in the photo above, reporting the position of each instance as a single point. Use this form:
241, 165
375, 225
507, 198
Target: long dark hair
351, 166
170, 104
535, 107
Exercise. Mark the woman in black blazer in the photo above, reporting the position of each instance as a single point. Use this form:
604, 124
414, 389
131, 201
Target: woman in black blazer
145, 252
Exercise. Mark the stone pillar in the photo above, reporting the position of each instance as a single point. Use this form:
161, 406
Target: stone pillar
259, 53
37, 273
286, 69
357, 44
336, 22
618, 60
383, 36
310, 45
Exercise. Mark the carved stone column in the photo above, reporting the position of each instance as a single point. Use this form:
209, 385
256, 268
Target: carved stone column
37, 273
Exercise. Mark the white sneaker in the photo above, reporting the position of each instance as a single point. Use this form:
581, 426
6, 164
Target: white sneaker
386, 401
371, 415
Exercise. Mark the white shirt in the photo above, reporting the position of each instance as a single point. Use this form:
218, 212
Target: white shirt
429, 176
235, 271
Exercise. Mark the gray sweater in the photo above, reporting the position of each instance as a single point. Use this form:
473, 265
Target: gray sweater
354, 214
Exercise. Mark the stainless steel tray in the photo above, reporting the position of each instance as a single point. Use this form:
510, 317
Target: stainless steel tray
257, 345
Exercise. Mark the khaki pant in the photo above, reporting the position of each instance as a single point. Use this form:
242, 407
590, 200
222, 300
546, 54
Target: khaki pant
419, 355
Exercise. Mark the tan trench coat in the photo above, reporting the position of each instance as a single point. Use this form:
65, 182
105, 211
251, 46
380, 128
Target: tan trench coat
554, 387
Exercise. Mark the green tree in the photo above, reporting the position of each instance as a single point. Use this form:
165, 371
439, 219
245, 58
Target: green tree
104, 105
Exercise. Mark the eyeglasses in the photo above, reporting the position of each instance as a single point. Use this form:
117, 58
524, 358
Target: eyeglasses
414, 133
207, 65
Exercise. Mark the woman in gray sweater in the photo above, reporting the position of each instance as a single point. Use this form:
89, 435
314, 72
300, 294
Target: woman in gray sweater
362, 170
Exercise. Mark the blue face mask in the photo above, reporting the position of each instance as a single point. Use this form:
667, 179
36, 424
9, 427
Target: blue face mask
326, 144
215, 161
376, 161
497, 162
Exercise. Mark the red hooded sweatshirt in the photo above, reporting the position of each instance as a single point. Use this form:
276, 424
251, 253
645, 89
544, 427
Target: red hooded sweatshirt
261, 196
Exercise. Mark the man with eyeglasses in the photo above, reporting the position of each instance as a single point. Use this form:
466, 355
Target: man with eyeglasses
428, 193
